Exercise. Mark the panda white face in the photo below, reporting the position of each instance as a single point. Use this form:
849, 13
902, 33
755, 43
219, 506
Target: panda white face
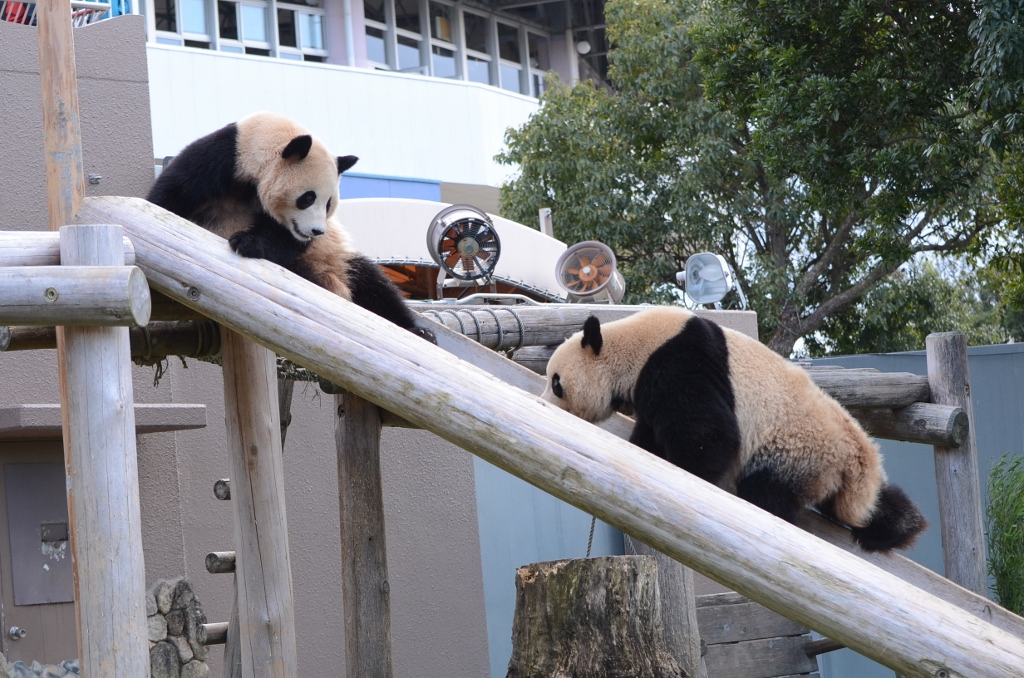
578, 377
301, 190
308, 213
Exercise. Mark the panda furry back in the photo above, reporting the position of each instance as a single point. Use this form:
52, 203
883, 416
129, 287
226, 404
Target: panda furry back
271, 188
729, 410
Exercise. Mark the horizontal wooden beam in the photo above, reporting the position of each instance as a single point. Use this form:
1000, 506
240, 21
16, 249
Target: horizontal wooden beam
835, 593
866, 390
165, 308
74, 296
916, 423
220, 562
501, 327
222, 489
822, 646
189, 338
927, 423
215, 633
41, 248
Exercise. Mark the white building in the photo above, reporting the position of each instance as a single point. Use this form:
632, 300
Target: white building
422, 91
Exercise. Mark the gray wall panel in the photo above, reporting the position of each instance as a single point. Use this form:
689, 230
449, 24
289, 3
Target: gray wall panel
520, 524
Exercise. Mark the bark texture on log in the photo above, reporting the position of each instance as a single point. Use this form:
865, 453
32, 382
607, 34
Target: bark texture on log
590, 618
678, 610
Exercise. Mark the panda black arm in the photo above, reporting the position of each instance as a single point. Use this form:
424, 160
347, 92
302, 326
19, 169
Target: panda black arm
203, 171
684, 403
268, 239
372, 290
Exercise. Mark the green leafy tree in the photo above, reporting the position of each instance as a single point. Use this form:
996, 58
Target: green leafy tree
817, 145
915, 301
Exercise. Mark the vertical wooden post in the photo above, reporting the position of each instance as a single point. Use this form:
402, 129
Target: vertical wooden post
98, 414
62, 143
956, 470
678, 611
233, 645
266, 611
364, 566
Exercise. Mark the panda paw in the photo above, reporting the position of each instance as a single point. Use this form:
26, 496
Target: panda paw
424, 333
246, 244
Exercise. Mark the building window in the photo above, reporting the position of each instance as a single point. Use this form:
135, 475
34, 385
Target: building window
300, 33
165, 15
254, 25
444, 39
478, 58
182, 22
409, 54
407, 16
243, 26
540, 62
510, 65
376, 54
409, 37
377, 35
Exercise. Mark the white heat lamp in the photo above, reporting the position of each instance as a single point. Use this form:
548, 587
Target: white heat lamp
707, 278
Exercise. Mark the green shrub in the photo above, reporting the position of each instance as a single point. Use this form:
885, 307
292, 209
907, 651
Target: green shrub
1005, 517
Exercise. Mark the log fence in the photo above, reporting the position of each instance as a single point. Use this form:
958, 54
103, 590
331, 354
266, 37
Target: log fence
710, 531
871, 390
886, 607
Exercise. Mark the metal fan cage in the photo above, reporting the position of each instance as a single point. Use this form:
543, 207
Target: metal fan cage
586, 268
462, 240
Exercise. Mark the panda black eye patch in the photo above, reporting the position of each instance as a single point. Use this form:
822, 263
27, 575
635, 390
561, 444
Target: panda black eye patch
556, 386
305, 200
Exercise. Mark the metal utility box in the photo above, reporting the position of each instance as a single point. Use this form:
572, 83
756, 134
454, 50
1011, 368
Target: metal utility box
37, 521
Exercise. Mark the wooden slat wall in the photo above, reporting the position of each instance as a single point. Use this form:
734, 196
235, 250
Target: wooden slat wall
747, 640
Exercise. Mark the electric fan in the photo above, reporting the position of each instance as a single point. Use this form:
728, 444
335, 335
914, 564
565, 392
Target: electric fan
586, 271
462, 241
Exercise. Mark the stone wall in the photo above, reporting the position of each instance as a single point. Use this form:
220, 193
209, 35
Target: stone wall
176, 635
37, 670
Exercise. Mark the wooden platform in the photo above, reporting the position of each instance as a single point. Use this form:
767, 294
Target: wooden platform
42, 422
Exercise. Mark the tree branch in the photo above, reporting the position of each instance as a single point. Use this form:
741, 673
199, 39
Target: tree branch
840, 301
834, 247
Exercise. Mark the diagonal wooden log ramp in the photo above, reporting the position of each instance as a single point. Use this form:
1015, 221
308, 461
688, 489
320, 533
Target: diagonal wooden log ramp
781, 566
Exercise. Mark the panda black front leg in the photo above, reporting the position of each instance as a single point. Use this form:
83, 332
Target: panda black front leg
372, 290
268, 239
247, 244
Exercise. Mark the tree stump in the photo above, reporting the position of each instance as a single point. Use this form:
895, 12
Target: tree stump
590, 618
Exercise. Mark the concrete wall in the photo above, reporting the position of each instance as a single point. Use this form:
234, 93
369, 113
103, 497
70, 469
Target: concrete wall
113, 99
399, 125
437, 589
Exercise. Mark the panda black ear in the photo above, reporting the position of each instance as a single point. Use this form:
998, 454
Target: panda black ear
298, 147
345, 162
592, 334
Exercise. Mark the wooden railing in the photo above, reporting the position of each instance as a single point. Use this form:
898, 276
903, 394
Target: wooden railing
880, 605
832, 591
